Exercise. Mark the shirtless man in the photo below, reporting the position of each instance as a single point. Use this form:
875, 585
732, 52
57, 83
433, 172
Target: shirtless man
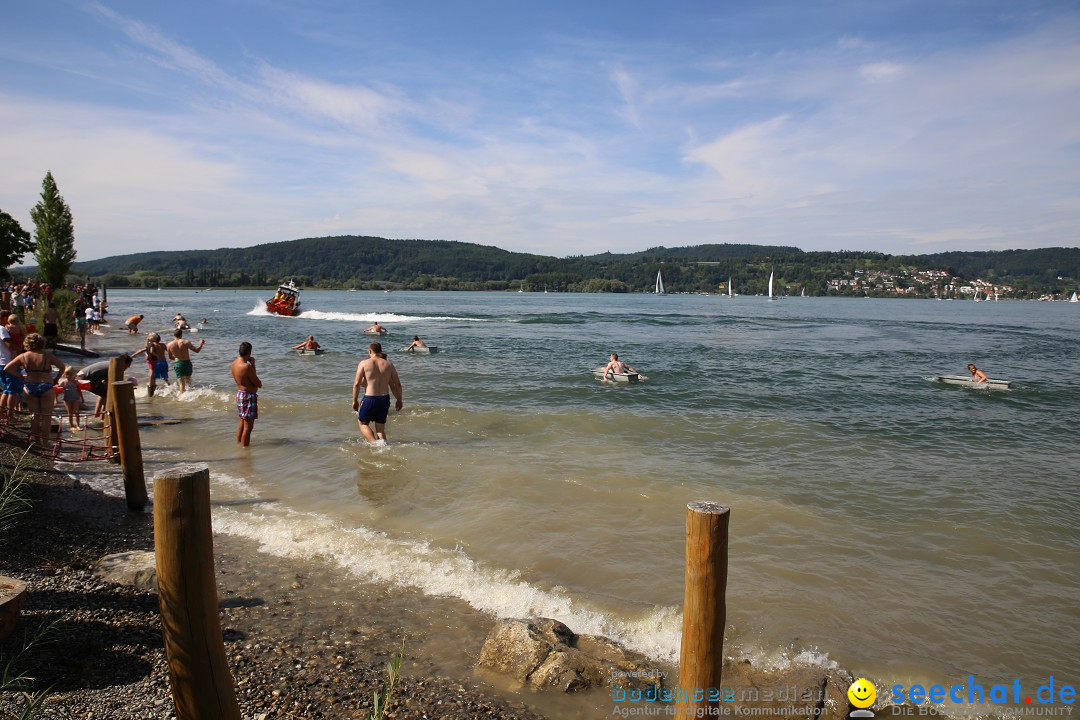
416, 343
976, 374
617, 366
308, 344
179, 350
376, 328
155, 352
51, 320
378, 377
247, 388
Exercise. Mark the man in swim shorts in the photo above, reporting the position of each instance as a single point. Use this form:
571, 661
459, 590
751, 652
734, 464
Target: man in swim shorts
247, 398
378, 377
51, 321
179, 350
156, 363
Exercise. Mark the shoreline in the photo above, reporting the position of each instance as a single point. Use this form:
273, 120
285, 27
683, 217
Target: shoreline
106, 657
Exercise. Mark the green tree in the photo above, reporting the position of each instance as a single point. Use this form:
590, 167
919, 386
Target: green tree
14, 242
54, 234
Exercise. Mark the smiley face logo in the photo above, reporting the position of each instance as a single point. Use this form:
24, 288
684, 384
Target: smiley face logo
862, 693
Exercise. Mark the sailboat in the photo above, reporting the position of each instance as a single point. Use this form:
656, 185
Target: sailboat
976, 295
659, 285
729, 292
804, 292
771, 286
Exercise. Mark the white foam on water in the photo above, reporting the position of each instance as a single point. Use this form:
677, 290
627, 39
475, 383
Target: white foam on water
779, 659
209, 396
372, 556
260, 309
233, 482
107, 481
383, 317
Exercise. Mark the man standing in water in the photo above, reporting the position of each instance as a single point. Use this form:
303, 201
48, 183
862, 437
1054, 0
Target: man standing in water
179, 350
247, 389
378, 377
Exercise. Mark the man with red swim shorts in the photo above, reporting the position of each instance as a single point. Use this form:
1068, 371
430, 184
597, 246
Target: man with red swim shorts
379, 378
247, 398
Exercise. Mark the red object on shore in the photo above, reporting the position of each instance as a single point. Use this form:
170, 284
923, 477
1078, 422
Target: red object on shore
286, 300
83, 385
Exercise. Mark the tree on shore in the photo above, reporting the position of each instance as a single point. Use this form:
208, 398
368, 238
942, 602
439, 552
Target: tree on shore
54, 234
14, 242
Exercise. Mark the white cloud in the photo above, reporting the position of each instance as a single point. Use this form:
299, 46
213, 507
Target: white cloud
962, 147
881, 71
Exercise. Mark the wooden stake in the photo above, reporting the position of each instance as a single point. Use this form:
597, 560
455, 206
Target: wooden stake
116, 374
122, 395
701, 654
187, 593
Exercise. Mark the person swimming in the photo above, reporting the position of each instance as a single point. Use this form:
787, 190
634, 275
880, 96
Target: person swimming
976, 374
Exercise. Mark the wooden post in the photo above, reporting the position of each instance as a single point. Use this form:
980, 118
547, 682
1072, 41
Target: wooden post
187, 594
127, 434
116, 374
701, 654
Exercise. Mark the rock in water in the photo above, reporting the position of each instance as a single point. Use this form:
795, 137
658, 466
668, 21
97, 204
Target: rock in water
546, 653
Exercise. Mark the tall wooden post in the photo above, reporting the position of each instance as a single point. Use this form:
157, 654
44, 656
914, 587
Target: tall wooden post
126, 417
187, 594
116, 374
701, 654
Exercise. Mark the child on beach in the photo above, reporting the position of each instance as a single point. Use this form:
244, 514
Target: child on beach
72, 398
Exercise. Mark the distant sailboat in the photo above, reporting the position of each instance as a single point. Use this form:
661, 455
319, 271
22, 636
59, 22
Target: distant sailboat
659, 285
1074, 298
976, 295
729, 292
804, 292
771, 285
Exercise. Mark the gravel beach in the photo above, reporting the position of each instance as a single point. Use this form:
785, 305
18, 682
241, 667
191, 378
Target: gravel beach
104, 657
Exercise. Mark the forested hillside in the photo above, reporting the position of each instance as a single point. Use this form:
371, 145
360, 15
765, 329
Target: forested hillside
371, 262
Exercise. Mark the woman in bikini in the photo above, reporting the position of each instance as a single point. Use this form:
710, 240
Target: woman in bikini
40, 395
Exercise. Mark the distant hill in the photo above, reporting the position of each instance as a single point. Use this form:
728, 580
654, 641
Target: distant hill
372, 262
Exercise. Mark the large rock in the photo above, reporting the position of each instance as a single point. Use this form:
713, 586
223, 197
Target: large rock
547, 654
135, 569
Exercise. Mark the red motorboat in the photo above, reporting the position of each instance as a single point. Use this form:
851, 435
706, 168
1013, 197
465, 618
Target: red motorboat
286, 300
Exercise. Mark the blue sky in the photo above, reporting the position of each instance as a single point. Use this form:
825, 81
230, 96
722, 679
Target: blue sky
555, 127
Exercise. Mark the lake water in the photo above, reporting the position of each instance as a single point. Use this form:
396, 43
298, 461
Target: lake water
909, 530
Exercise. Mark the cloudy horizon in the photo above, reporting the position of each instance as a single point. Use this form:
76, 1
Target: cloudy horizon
556, 129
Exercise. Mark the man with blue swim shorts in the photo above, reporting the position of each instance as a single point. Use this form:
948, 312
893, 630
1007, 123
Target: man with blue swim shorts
155, 361
379, 378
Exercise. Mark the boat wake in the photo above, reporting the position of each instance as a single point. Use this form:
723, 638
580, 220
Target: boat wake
381, 317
